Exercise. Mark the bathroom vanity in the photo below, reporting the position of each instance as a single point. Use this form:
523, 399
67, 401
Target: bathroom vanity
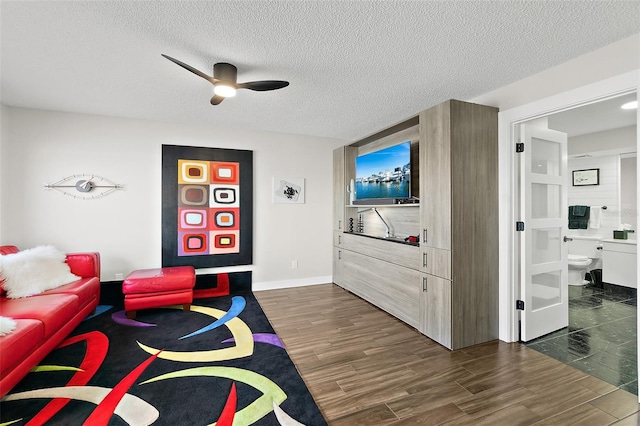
620, 262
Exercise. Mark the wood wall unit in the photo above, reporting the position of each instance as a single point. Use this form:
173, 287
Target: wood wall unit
459, 204
453, 274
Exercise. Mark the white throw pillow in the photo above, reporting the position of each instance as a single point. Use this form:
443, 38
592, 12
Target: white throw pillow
33, 271
7, 325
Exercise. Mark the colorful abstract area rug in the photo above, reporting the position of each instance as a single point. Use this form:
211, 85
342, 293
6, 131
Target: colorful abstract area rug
219, 364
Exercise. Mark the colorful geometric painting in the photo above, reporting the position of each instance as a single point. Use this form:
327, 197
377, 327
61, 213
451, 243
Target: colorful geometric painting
207, 203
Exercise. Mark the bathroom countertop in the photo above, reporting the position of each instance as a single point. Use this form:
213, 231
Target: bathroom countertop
615, 240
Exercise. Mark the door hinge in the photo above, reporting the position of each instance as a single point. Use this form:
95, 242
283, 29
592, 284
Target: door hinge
519, 146
520, 305
519, 226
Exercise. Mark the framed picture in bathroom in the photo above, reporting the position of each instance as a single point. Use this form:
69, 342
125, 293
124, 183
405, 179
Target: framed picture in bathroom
586, 177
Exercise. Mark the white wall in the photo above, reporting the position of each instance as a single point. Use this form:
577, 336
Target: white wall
42, 147
605, 194
629, 192
4, 137
622, 140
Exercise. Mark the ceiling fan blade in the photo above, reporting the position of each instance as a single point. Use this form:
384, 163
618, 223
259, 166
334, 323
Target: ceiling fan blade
215, 100
189, 68
263, 85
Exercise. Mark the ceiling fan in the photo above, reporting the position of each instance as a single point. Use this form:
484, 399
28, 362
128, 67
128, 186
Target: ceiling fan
225, 83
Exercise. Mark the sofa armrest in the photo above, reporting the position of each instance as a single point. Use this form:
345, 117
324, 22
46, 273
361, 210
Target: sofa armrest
85, 265
8, 250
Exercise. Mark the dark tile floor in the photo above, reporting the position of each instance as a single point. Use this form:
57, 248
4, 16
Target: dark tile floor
602, 335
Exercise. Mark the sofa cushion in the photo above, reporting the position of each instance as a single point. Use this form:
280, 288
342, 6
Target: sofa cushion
24, 339
54, 310
86, 289
34, 270
159, 280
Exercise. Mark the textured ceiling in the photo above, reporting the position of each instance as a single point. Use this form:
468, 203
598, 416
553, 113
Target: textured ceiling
354, 67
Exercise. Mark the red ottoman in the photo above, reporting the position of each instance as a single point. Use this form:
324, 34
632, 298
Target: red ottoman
154, 288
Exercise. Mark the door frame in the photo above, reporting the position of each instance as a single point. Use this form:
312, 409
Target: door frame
509, 261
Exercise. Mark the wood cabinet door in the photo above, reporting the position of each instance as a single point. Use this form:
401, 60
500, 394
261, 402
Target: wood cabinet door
390, 287
435, 177
337, 267
435, 309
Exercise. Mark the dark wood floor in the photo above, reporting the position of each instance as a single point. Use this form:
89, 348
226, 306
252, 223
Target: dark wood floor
364, 367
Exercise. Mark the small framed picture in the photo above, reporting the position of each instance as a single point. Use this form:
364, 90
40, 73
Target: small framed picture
586, 177
287, 190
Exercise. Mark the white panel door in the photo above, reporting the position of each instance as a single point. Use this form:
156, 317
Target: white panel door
544, 287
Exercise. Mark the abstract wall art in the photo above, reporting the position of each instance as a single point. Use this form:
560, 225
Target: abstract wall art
288, 190
207, 206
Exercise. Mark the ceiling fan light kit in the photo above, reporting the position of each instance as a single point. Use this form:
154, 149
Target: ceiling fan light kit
225, 83
224, 90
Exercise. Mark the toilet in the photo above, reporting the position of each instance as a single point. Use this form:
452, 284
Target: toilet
584, 255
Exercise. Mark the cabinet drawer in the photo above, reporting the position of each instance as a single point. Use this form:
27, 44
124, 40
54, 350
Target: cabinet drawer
619, 247
436, 262
389, 251
390, 287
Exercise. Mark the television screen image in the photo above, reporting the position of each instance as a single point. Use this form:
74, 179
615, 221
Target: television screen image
385, 173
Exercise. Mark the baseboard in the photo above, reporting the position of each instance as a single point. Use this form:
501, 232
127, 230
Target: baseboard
274, 285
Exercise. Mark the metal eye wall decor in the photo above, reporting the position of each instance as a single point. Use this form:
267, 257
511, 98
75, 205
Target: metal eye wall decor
84, 186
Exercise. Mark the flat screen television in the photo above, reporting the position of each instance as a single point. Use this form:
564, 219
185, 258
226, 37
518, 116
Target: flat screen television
384, 176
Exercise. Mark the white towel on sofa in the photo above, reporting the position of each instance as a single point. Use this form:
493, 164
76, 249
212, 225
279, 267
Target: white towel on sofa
594, 217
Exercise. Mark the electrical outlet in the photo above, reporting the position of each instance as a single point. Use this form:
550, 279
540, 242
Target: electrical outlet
119, 276
294, 264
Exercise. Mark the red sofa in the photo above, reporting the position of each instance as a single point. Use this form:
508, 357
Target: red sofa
46, 319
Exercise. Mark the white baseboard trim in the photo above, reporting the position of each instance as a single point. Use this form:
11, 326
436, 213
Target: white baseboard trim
274, 285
